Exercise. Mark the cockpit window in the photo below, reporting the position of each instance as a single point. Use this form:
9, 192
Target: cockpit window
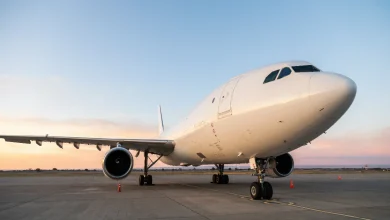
271, 77
305, 68
285, 72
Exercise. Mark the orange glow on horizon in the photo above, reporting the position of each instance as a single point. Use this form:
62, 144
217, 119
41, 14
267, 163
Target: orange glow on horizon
325, 150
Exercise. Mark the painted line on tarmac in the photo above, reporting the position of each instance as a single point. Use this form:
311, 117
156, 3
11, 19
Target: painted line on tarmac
83, 193
234, 194
273, 202
312, 209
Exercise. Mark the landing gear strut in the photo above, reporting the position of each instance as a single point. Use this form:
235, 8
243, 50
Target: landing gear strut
220, 178
146, 179
261, 189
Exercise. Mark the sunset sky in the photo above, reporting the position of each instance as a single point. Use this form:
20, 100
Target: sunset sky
99, 69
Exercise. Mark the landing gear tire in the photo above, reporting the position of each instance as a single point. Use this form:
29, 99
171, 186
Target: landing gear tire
220, 178
225, 179
268, 190
214, 179
261, 191
141, 180
256, 191
149, 180
145, 180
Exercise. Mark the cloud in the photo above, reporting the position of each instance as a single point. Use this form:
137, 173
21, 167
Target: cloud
24, 156
17, 84
33, 94
78, 127
354, 148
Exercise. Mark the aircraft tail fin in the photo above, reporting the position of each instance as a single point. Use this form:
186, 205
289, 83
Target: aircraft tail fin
160, 121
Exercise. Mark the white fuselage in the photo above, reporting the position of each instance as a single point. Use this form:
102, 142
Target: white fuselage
246, 118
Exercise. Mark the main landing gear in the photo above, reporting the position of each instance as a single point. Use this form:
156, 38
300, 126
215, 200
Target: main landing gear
261, 189
220, 178
146, 179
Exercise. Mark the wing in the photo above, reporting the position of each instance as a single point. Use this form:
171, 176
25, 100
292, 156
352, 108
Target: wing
155, 146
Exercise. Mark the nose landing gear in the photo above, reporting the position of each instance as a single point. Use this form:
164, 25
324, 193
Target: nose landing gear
220, 178
261, 189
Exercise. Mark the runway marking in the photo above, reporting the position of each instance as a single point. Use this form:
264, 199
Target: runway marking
313, 209
183, 205
25, 202
271, 202
82, 193
91, 189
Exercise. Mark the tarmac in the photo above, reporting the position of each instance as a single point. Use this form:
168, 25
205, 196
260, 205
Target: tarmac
191, 197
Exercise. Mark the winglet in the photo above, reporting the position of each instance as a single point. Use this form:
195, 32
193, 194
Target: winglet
160, 121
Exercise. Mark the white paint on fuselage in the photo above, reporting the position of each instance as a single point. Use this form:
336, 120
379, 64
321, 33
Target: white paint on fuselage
261, 120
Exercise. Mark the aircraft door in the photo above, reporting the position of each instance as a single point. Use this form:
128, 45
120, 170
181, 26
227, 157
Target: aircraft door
225, 100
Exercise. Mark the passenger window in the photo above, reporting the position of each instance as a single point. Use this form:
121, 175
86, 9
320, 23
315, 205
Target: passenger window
285, 72
271, 77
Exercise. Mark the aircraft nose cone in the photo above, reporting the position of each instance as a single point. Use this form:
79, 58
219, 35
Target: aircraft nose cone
330, 90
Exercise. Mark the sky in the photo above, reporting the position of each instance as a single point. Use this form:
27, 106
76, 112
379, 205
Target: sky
100, 68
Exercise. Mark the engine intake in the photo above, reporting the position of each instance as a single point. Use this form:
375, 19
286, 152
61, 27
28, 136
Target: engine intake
118, 163
280, 166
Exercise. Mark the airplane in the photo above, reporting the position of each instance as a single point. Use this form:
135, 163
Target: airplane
257, 117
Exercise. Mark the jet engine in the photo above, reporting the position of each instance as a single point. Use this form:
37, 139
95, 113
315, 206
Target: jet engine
118, 163
280, 166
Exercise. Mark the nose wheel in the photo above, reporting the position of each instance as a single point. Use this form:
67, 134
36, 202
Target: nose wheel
220, 178
261, 189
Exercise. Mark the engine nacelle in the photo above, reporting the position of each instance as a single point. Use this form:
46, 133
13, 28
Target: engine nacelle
118, 163
280, 166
